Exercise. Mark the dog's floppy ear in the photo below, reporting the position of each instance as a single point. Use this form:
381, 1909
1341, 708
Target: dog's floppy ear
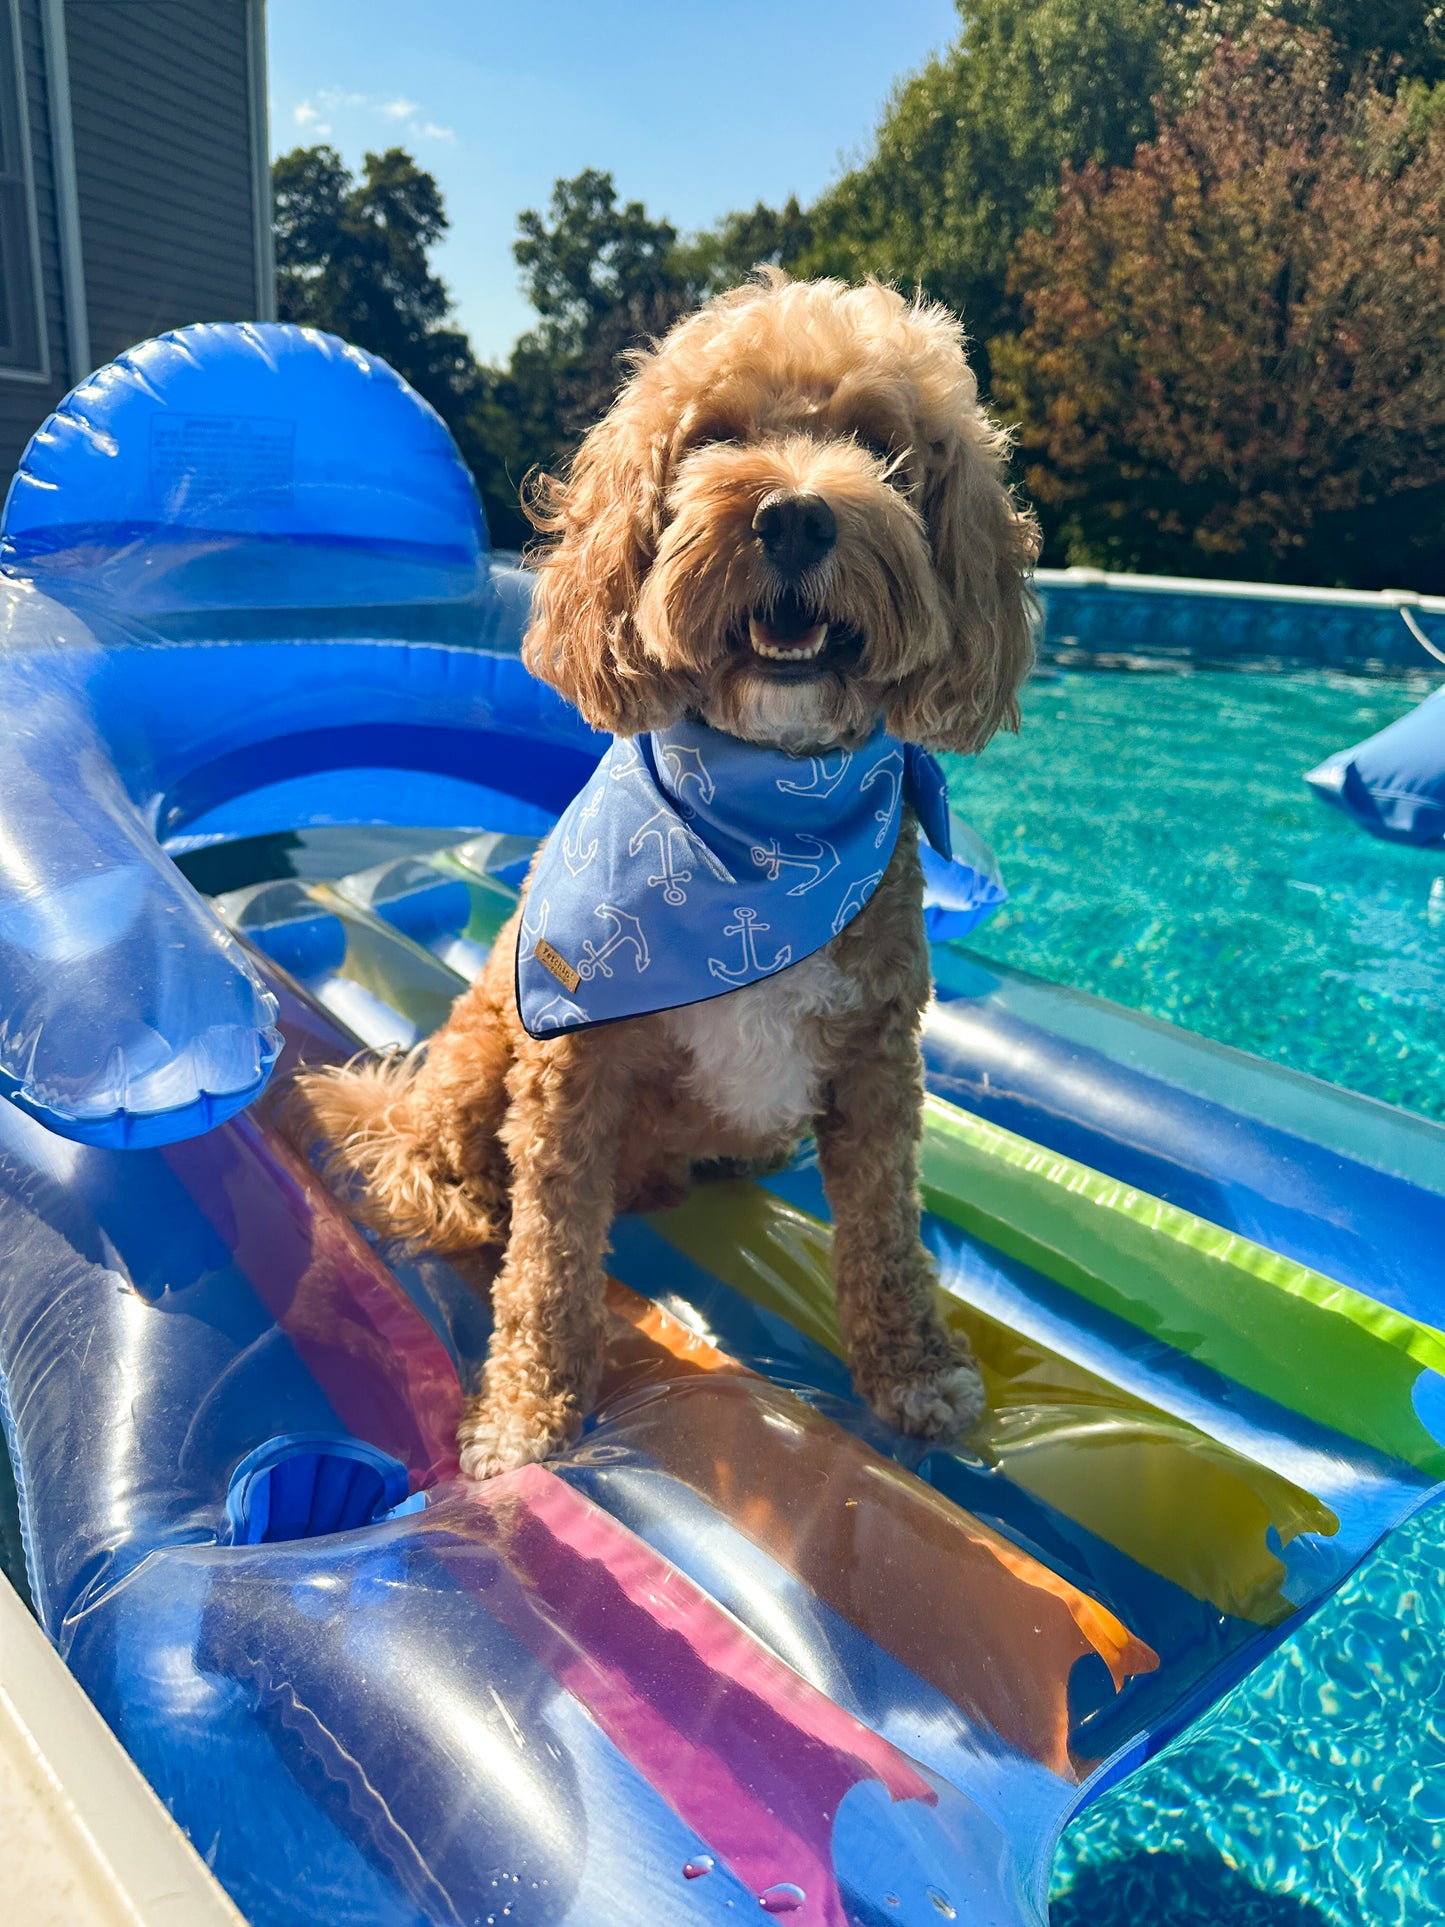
607, 516
983, 548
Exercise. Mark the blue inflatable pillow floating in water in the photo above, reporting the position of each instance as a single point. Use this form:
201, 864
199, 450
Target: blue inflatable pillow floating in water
1394, 782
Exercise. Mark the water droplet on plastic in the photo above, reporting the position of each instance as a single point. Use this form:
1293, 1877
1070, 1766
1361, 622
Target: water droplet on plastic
942, 1904
785, 1898
700, 1864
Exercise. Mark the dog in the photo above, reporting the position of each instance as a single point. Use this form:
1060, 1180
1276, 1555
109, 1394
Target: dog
791, 530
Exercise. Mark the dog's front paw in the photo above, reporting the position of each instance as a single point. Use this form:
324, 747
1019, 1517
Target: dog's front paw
935, 1405
491, 1441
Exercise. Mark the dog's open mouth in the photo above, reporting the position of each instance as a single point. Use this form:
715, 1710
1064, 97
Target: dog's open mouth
792, 639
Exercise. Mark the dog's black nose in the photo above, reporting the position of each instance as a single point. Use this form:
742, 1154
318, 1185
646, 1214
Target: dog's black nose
796, 532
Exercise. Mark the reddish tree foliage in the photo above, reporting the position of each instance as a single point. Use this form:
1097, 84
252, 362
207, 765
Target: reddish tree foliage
1233, 357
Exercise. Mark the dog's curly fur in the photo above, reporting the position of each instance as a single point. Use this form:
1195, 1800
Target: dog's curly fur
642, 614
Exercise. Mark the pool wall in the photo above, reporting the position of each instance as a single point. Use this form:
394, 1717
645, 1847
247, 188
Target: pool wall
1091, 615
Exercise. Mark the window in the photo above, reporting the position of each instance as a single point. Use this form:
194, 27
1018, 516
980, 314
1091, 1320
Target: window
21, 335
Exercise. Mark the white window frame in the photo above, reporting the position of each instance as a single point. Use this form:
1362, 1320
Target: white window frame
40, 373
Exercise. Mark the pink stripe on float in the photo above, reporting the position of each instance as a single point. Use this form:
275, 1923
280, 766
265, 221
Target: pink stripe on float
748, 1754
389, 1378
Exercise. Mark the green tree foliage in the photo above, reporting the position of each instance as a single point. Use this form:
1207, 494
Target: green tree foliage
604, 277
969, 151
1399, 40
351, 257
1233, 357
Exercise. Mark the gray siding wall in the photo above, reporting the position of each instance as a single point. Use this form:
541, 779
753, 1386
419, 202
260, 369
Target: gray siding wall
164, 161
25, 404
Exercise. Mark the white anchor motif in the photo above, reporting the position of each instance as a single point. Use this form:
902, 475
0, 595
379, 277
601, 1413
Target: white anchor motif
534, 928
821, 862
574, 855
747, 927
684, 765
858, 895
828, 771
625, 930
625, 760
891, 769
558, 1013
662, 826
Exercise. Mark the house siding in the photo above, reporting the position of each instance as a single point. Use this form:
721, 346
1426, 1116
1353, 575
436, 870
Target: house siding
24, 404
164, 164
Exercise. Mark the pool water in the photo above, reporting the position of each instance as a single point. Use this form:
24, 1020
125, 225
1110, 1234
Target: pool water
1162, 850
1313, 1796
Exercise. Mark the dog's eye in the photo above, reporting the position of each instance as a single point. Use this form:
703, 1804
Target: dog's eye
713, 438
877, 446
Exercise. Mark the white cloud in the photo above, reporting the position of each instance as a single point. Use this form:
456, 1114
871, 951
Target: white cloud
308, 113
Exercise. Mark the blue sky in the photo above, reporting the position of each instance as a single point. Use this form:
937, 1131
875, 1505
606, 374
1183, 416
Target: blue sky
696, 107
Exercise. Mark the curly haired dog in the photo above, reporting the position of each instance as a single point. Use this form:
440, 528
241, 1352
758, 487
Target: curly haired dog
791, 524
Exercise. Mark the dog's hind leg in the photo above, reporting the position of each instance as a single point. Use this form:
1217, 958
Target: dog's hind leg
904, 1362
562, 1130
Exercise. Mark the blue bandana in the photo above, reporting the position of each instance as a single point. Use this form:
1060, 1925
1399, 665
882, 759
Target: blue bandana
694, 863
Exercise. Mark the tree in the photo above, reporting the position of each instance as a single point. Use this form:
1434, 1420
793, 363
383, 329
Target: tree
1396, 40
762, 236
602, 277
1233, 357
969, 150
351, 257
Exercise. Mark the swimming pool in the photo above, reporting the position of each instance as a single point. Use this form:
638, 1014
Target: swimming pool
1163, 851
1306, 1798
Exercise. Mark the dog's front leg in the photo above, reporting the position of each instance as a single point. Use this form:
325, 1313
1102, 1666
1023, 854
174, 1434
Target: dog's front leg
903, 1361
561, 1134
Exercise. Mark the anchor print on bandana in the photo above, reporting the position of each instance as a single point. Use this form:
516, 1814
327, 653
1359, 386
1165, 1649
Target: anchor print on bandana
575, 854
684, 765
828, 771
625, 934
752, 967
693, 863
662, 827
560, 1014
858, 895
625, 759
818, 863
534, 921
890, 771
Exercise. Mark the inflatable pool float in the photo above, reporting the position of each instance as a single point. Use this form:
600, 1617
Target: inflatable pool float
1394, 783
742, 1649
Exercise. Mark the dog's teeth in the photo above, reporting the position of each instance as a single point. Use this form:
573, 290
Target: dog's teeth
803, 650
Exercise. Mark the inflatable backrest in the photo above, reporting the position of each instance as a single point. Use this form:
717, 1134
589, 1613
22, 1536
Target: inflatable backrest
245, 584
243, 440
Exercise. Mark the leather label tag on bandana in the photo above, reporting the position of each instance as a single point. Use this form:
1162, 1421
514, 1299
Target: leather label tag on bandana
557, 964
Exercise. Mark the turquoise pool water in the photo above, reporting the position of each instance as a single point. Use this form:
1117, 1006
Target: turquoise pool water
1313, 1796
1163, 851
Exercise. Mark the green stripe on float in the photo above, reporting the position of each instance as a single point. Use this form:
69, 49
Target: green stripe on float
1316, 1346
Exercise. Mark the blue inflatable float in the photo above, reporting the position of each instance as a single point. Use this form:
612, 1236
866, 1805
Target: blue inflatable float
1394, 783
742, 1649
